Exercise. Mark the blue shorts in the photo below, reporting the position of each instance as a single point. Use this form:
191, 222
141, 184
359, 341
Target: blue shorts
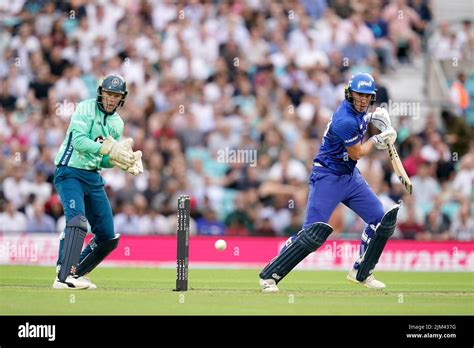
327, 190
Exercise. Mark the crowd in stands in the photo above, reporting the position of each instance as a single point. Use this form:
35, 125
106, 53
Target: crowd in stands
206, 78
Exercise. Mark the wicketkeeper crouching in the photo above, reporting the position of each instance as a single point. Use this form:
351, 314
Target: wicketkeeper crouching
91, 144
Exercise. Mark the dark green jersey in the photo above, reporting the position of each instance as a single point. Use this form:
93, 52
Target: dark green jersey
80, 148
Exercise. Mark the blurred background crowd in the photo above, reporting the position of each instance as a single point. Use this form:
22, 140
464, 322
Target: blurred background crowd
205, 77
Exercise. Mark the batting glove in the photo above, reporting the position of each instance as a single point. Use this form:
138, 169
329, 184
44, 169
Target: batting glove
382, 140
379, 118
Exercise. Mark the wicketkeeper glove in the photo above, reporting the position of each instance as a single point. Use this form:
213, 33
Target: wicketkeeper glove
136, 167
383, 139
117, 152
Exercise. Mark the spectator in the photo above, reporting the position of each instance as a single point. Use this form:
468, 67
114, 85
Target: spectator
40, 222
295, 225
410, 219
414, 159
265, 228
459, 95
426, 186
40, 188
288, 170
16, 188
12, 220
357, 53
70, 86
58, 36
153, 187
25, 44
457, 133
45, 163
400, 28
145, 221
209, 225
436, 224
343, 8
463, 182
435, 150
159, 223
56, 62
462, 227
53, 207
7, 100
443, 44
423, 10
465, 38
278, 215
238, 222
84, 35
40, 87
127, 222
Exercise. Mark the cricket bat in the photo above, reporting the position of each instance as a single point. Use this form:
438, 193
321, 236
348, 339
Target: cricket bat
398, 168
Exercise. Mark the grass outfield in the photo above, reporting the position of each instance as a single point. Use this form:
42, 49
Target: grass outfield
147, 291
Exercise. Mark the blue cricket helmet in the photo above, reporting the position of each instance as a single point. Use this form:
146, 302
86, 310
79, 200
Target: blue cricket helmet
361, 83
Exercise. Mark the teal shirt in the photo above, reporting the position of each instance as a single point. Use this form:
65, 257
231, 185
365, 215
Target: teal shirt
88, 126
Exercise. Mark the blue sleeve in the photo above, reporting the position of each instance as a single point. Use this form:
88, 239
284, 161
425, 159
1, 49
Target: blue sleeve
346, 129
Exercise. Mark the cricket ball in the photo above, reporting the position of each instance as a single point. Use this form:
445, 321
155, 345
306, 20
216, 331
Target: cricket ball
220, 245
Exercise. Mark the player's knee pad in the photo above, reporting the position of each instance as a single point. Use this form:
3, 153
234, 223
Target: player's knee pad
74, 235
307, 241
99, 252
383, 232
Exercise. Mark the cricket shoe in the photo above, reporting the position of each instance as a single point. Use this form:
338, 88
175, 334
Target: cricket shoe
84, 279
268, 285
370, 282
71, 283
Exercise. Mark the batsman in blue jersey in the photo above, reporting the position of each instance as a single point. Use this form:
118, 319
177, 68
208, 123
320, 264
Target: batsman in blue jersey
335, 179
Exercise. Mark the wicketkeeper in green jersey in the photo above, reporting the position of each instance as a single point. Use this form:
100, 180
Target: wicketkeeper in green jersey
91, 144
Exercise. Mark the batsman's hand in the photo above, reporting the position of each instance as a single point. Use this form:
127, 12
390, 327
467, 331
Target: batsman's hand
380, 119
118, 152
383, 139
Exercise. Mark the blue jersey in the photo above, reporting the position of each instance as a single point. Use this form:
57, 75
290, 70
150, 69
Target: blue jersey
345, 128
